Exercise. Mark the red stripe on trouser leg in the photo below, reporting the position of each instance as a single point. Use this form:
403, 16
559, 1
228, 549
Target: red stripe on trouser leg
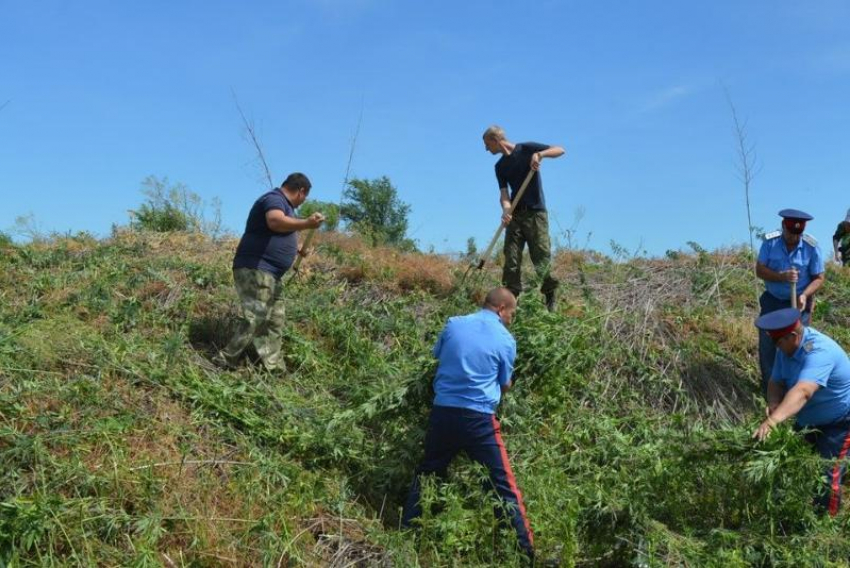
512, 479
836, 471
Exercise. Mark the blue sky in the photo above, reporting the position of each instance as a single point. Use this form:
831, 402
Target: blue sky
102, 94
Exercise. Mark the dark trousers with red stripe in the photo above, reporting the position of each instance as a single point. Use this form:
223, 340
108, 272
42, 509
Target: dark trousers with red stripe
452, 430
833, 443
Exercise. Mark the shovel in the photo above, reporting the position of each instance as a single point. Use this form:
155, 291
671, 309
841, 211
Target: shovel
487, 253
305, 247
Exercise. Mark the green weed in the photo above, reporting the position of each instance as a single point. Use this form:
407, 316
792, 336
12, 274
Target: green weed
628, 426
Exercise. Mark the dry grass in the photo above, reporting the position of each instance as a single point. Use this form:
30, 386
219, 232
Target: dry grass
403, 272
341, 543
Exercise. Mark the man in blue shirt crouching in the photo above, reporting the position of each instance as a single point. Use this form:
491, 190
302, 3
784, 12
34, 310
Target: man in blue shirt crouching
476, 359
810, 379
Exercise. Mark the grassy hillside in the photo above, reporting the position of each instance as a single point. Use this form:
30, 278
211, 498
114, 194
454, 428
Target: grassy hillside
629, 425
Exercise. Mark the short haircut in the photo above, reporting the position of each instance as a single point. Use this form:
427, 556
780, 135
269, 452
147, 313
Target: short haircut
498, 297
496, 132
297, 181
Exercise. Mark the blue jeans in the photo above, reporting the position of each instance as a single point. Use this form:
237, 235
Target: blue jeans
452, 430
767, 349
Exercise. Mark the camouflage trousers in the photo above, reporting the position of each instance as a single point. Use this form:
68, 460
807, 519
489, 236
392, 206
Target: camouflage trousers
530, 227
262, 317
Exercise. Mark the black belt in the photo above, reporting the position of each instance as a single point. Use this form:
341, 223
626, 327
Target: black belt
524, 207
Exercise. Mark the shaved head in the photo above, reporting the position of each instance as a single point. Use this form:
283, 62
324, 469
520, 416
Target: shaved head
502, 302
498, 297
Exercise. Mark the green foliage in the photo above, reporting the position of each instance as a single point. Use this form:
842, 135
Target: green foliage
628, 430
471, 249
329, 210
27, 227
622, 254
174, 207
373, 209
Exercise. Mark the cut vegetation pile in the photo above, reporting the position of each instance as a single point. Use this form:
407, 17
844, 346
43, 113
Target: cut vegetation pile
628, 428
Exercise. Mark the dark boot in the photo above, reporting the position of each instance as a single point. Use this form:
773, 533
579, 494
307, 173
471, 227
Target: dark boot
550, 301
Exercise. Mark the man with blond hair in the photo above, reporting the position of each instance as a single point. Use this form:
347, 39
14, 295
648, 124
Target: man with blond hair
528, 222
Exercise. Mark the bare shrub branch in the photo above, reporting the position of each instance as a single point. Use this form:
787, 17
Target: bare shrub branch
746, 165
251, 135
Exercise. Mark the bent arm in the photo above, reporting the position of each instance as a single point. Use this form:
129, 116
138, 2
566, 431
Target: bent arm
280, 222
504, 198
551, 152
794, 401
815, 284
765, 273
506, 367
791, 404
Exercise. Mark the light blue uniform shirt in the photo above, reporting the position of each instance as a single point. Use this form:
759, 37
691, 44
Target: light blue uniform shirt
476, 354
819, 360
806, 258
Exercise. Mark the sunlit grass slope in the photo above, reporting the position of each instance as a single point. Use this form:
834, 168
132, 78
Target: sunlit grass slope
628, 427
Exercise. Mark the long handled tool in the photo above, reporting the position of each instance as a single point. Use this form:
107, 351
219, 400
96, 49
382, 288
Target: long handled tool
794, 290
483, 259
305, 247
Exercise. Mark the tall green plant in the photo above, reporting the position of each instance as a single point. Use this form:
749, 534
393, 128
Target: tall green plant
329, 210
373, 209
174, 207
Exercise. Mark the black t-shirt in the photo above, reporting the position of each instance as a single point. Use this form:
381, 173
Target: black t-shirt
511, 171
841, 236
260, 247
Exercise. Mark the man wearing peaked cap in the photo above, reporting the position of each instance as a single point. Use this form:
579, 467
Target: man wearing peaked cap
810, 379
787, 255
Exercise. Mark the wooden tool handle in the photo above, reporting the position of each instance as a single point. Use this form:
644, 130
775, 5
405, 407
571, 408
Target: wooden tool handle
305, 246
495, 239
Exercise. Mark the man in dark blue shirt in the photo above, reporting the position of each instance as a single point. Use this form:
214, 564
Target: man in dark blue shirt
476, 354
265, 252
529, 221
841, 241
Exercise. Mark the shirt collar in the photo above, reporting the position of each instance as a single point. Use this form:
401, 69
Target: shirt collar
286, 199
796, 248
491, 314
